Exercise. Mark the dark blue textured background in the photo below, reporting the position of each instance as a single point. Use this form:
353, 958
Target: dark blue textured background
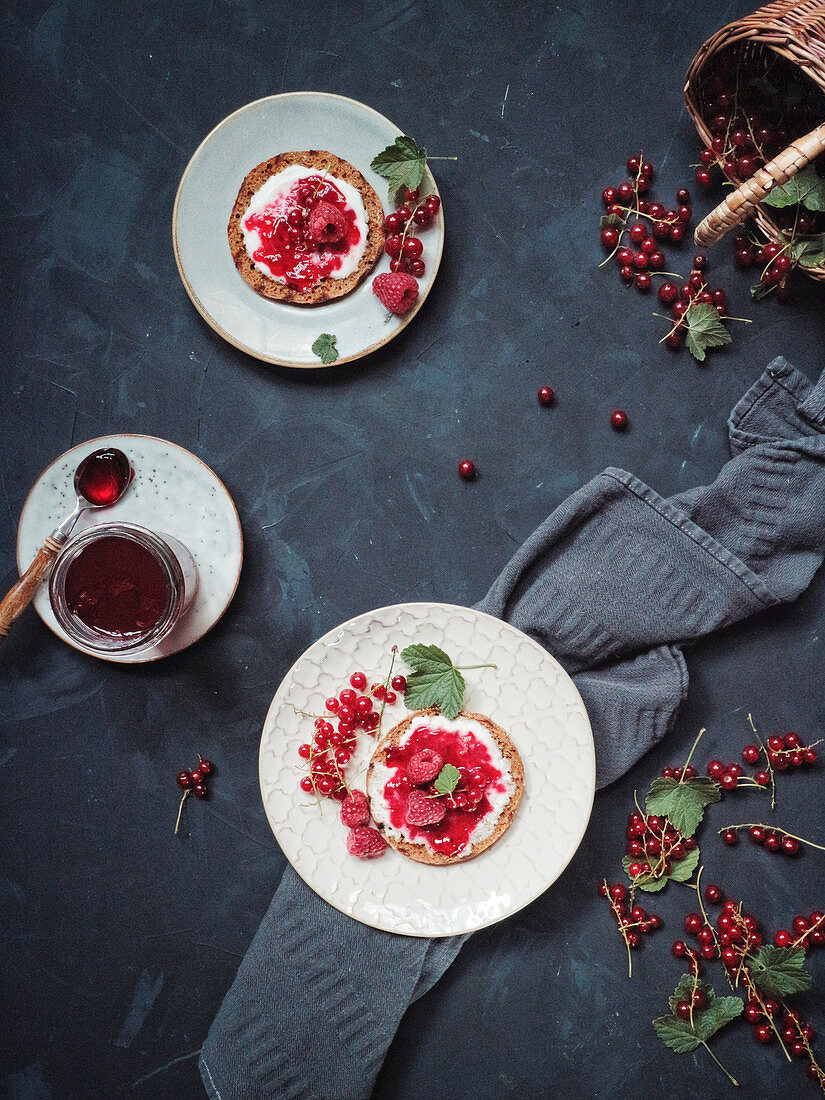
119, 939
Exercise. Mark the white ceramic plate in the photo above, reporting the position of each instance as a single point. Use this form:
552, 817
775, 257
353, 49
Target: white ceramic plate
529, 694
172, 492
278, 332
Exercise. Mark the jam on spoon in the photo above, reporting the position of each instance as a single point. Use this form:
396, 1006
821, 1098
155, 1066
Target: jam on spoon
100, 480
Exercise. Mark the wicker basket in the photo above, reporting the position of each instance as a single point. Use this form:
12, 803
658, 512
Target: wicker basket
795, 32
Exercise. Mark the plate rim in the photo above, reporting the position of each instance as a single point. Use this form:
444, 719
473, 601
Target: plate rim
150, 655
201, 308
428, 604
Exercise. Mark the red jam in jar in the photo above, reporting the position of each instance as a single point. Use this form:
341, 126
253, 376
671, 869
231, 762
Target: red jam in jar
469, 801
116, 586
119, 587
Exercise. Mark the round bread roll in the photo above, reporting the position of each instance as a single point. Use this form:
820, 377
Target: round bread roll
418, 849
327, 289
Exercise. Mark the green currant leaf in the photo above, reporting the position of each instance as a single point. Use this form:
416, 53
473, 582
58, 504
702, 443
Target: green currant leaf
683, 870
447, 779
704, 330
684, 1036
434, 682
402, 165
805, 189
676, 1033
324, 347
682, 802
611, 221
760, 290
780, 971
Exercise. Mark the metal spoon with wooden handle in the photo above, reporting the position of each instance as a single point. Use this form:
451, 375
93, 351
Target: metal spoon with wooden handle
100, 480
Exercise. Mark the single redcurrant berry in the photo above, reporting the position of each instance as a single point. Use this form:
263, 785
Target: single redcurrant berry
466, 469
610, 238
546, 395
800, 925
790, 845
716, 769
184, 780
683, 1010
776, 744
728, 781
619, 419
757, 834
763, 1033
305, 751
618, 892
646, 170
434, 202
730, 837
773, 842
750, 754
306, 784
643, 281
199, 790
358, 681
416, 268
392, 244
667, 293
196, 776
413, 248
679, 949
713, 893
809, 756
626, 191
390, 698
761, 779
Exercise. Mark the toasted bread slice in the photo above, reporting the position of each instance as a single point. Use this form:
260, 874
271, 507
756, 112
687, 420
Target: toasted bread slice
328, 289
421, 852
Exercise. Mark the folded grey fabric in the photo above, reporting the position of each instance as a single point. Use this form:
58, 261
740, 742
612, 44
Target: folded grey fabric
614, 583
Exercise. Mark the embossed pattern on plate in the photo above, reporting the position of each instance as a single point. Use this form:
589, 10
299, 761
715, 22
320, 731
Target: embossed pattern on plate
529, 694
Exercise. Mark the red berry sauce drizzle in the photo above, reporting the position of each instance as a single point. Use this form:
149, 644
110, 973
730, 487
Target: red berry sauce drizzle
102, 476
287, 250
468, 803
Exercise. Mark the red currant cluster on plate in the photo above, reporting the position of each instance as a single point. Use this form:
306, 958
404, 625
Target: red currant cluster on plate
328, 755
633, 924
402, 246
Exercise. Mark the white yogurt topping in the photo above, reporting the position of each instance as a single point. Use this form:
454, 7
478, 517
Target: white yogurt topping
498, 799
273, 194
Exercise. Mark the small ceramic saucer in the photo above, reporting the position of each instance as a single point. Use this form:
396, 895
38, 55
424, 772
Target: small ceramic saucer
172, 492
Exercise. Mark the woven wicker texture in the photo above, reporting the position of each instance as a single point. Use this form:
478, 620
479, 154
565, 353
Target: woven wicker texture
796, 33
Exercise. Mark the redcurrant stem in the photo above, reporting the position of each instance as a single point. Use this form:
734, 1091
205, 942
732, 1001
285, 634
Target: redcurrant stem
732, 1080
773, 829
464, 668
386, 685
690, 756
180, 810
768, 760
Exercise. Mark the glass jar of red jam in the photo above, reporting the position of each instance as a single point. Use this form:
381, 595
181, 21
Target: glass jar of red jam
121, 588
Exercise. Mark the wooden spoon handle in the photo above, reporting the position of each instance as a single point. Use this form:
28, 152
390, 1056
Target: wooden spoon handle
20, 595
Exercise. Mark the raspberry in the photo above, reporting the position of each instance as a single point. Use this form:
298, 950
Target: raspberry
396, 290
422, 811
326, 224
365, 843
424, 766
355, 809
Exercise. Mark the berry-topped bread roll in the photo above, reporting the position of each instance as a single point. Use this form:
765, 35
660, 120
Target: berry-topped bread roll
306, 228
442, 791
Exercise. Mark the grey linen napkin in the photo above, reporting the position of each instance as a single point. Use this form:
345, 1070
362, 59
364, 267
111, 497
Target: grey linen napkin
614, 583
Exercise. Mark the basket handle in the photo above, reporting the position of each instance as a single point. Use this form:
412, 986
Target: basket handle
741, 203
